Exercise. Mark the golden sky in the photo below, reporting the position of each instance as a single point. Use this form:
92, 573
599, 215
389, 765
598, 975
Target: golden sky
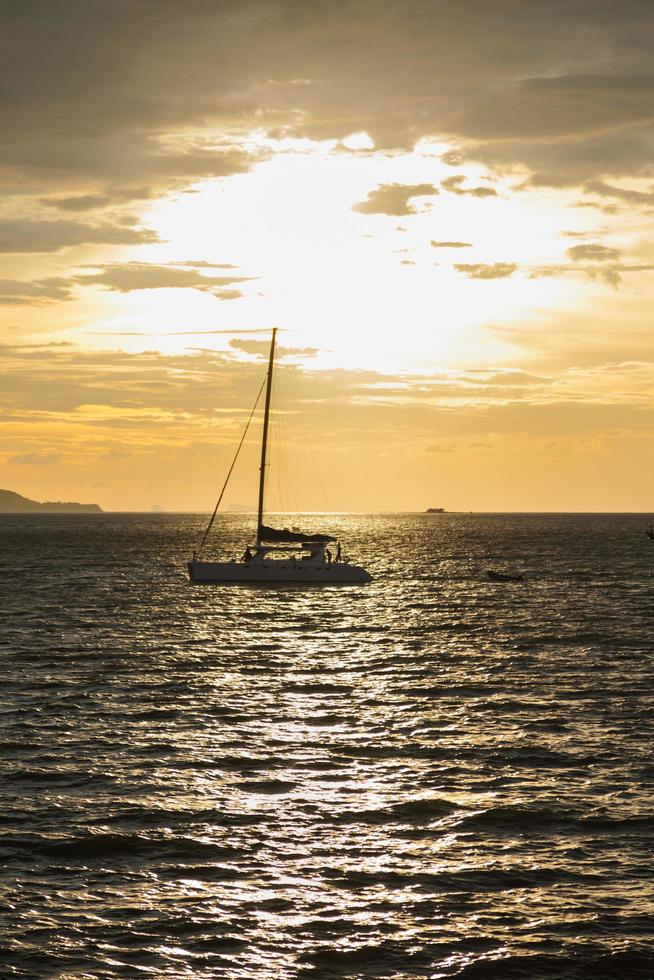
444, 205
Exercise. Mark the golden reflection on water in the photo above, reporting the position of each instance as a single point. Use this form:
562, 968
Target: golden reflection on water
399, 781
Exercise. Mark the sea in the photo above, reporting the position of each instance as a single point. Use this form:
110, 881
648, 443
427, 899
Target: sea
433, 775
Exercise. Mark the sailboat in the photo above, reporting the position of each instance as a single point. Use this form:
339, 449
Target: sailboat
279, 555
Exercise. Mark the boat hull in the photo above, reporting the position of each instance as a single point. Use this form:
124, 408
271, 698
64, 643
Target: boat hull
276, 572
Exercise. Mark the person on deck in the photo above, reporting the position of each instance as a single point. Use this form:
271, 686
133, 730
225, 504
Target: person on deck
247, 555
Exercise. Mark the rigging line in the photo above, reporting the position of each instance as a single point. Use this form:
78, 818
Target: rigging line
279, 441
310, 442
245, 432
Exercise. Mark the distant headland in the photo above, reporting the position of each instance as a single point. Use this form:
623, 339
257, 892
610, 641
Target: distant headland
13, 503
435, 510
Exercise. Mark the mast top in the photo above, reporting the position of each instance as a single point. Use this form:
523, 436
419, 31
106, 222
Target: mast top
264, 437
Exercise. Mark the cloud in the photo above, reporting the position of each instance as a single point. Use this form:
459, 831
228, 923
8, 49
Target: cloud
129, 276
18, 292
36, 459
25, 235
611, 274
453, 158
261, 349
202, 264
107, 387
451, 244
569, 233
170, 415
393, 199
593, 252
563, 88
498, 270
569, 126
569, 104
602, 189
226, 293
92, 202
453, 185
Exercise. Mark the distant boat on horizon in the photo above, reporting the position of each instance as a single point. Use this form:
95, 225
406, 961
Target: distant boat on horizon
435, 510
280, 555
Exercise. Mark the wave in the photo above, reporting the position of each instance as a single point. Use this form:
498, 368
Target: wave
266, 786
174, 801
518, 817
153, 817
635, 964
93, 847
424, 810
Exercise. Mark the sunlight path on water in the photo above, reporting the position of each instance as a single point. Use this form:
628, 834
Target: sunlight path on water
434, 775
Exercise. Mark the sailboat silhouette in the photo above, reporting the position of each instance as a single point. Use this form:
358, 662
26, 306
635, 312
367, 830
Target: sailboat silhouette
279, 555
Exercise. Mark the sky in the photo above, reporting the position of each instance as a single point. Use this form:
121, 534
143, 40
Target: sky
444, 206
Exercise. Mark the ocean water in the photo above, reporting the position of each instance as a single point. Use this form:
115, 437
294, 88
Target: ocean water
433, 775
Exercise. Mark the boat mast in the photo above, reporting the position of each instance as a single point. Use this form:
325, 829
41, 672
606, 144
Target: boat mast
264, 438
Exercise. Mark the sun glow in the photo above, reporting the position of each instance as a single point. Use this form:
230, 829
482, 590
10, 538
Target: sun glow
373, 290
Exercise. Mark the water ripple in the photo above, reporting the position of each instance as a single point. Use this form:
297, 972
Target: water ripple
433, 776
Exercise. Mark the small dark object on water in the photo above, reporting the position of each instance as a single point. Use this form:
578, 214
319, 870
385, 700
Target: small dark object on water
649, 531
503, 577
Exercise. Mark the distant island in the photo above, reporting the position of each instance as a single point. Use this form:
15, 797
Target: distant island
435, 510
13, 503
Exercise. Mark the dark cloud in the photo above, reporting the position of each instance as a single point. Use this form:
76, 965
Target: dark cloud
226, 293
498, 270
129, 276
94, 93
593, 252
453, 158
202, 264
393, 199
559, 107
602, 189
24, 235
610, 273
570, 162
604, 208
92, 202
453, 185
18, 292
451, 244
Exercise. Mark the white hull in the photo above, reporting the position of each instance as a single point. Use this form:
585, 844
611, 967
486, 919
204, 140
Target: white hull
276, 571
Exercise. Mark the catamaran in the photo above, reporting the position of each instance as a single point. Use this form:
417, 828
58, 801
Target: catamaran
279, 555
